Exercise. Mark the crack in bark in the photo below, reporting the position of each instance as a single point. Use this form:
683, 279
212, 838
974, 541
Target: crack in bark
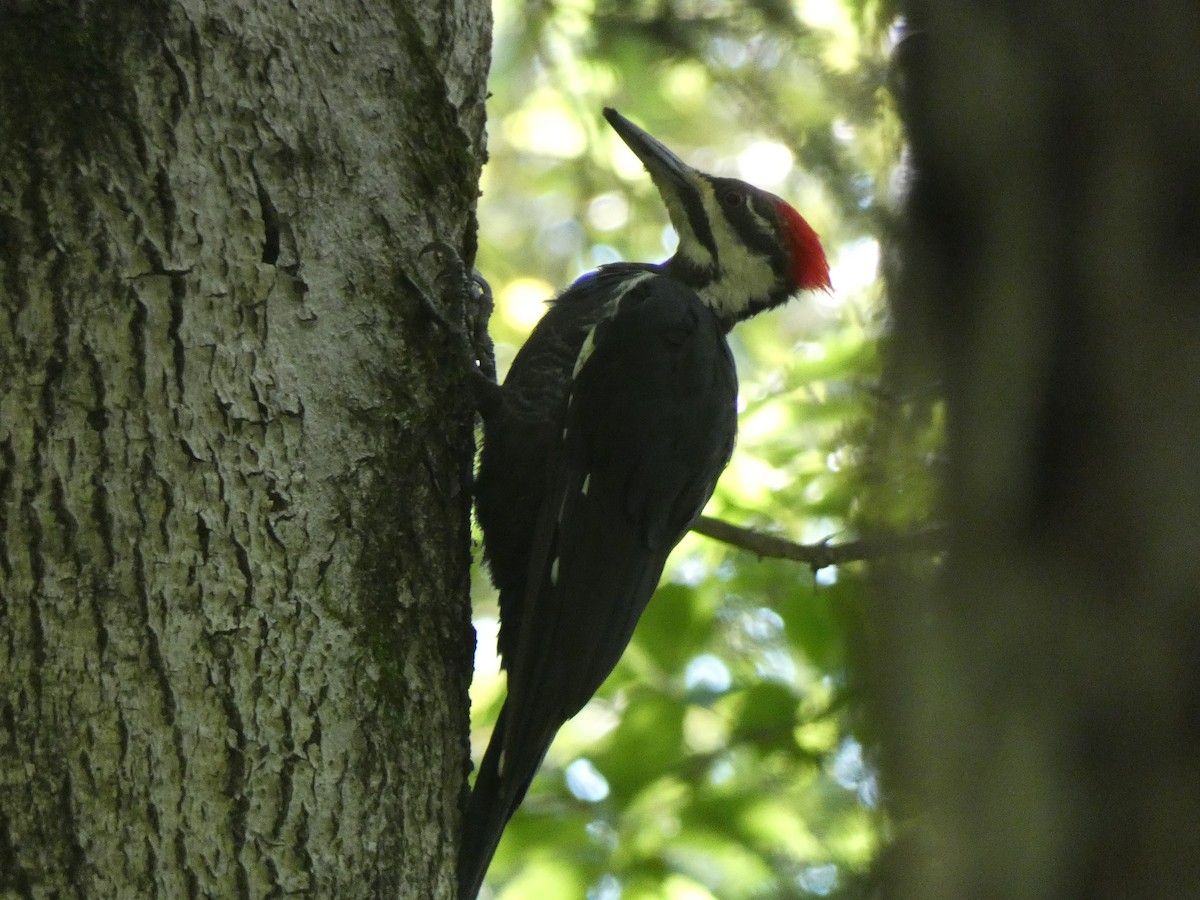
270, 220
37, 565
235, 781
174, 328
8, 464
99, 421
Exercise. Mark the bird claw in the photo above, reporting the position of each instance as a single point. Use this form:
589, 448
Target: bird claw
455, 286
447, 256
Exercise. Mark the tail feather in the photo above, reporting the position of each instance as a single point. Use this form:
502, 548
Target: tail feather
494, 799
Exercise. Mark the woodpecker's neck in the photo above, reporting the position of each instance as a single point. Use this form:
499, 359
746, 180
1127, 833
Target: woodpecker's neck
730, 297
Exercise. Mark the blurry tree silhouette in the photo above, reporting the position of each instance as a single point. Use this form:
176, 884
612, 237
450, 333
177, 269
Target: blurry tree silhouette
1041, 701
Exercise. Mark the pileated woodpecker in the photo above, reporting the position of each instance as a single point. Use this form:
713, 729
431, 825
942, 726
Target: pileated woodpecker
603, 446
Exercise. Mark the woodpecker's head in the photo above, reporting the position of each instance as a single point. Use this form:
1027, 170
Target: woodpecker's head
742, 249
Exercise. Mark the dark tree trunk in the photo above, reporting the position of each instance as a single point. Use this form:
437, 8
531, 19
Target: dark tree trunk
234, 452
1042, 704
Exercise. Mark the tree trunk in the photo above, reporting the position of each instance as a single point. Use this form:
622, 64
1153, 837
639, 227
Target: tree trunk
1042, 705
234, 449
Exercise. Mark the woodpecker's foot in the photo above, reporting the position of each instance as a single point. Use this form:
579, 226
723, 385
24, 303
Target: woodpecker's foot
470, 293
479, 313
428, 304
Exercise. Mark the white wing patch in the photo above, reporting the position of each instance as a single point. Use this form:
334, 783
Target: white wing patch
585, 352
589, 342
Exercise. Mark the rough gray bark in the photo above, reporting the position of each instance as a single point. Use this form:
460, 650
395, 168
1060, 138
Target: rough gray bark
234, 546
1042, 704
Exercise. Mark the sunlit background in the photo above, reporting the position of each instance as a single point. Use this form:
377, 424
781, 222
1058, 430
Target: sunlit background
727, 756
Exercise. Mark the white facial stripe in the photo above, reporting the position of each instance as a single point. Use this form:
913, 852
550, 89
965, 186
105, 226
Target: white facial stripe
690, 247
767, 227
742, 272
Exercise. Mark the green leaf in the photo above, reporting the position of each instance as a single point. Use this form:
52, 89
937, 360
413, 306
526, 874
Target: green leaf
766, 715
674, 627
647, 743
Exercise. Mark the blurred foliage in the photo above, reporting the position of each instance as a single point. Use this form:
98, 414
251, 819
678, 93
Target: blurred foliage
727, 756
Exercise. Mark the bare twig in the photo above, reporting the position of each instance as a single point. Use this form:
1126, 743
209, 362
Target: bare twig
820, 555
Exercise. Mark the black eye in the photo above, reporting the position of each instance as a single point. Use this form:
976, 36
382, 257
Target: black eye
733, 198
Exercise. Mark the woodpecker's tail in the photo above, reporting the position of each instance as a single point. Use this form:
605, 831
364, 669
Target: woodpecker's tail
494, 799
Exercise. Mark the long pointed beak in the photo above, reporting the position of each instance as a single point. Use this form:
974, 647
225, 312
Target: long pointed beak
664, 166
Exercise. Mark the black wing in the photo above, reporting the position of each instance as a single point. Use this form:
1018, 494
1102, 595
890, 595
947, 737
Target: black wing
522, 435
647, 428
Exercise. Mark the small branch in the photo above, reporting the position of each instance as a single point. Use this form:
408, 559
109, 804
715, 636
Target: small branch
820, 555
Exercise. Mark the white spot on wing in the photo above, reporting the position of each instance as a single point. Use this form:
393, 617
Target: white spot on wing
554, 571
587, 482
